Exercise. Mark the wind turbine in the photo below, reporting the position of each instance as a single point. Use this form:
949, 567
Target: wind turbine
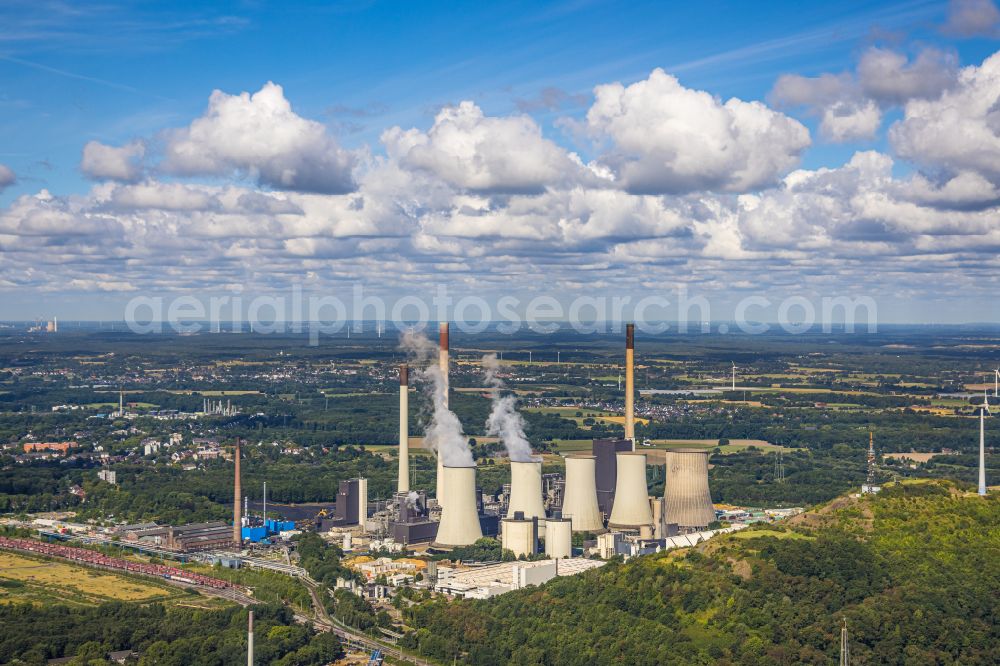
996, 382
982, 442
734, 375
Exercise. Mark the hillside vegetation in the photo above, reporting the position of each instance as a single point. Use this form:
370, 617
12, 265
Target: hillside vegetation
913, 570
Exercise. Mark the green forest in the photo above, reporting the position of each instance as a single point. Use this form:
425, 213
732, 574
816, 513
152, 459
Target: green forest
912, 570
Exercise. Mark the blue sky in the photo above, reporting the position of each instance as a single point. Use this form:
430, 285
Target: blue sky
119, 73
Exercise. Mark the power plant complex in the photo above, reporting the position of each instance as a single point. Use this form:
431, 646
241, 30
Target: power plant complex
604, 492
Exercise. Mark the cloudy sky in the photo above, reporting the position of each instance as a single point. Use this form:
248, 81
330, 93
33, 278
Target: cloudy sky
567, 148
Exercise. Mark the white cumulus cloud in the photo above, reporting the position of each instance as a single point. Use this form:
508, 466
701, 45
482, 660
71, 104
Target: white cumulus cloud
667, 138
261, 136
123, 163
960, 131
472, 151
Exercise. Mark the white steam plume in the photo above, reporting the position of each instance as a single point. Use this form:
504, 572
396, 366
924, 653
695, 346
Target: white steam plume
503, 421
444, 433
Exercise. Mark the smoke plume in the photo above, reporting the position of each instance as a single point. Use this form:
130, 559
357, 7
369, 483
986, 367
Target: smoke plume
444, 432
504, 422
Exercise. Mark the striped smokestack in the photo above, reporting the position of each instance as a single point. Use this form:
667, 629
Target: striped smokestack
630, 383
403, 484
443, 365
237, 492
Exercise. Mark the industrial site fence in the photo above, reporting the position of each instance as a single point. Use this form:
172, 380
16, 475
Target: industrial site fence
97, 559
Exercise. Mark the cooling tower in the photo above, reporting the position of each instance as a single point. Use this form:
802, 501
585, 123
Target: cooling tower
443, 365
526, 489
687, 498
459, 524
580, 494
630, 383
558, 538
237, 492
631, 508
520, 535
403, 483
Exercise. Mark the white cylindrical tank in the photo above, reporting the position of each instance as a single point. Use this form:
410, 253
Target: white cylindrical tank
558, 538
580, 494
526, 489
520, 535
348, 541
459, 524
686, 496
631, 508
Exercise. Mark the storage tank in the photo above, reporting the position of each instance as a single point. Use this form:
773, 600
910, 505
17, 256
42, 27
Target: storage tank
631, 508
558, 538
459, 519
520, 535
687, 497
580, 494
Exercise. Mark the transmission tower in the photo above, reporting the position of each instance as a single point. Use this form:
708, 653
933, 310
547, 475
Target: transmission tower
779, 468
871, 459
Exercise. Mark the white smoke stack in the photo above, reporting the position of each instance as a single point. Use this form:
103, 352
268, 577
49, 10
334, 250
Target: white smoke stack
558, 538
403, 482
444, 433
687, 497
459, 524
631, 507
250, 640
504, 422
526, 489
580, 494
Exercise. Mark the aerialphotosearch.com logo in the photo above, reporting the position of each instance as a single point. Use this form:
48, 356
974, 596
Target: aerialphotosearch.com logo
327, 315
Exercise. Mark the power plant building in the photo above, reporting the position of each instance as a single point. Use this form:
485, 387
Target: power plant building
519, 534
606, 472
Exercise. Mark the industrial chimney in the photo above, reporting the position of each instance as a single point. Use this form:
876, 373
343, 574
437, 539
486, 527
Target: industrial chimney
687, 498
631, 508
403, 483
630, 383
250, 640
459, 524
580, 494
237, 496
526, 489
443, 366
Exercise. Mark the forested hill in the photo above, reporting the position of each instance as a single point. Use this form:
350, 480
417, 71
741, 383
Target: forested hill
913, 570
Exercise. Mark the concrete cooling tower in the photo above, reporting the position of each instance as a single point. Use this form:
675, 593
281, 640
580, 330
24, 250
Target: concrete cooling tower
580, 494
558, 538
631, 508
459, 524
526, 489
687, 498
